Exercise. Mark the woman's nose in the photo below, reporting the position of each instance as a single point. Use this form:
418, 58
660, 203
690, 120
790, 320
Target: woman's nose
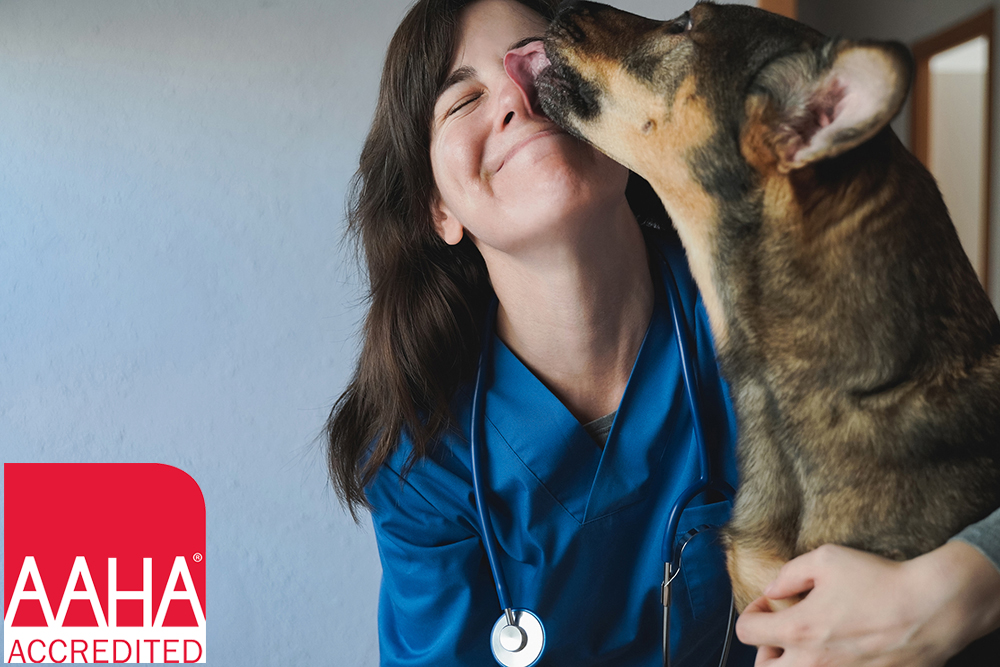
522, 66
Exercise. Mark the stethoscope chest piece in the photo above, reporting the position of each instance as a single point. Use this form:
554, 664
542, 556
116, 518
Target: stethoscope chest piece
520, 644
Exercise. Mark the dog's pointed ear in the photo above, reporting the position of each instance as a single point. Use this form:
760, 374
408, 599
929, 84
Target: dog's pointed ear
831, 99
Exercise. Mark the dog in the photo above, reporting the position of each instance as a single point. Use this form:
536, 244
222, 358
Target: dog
861, 352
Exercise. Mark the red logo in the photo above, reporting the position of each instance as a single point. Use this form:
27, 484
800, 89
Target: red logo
103, 562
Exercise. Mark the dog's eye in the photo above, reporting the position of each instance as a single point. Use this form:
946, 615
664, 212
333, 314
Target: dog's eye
690, 23
680, 25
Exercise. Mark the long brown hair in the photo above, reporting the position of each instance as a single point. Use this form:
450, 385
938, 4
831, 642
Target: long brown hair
426, 299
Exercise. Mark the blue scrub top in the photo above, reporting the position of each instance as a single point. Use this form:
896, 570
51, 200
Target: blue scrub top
579, 528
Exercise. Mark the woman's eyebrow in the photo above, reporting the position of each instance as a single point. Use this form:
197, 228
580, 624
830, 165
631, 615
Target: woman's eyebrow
458, 76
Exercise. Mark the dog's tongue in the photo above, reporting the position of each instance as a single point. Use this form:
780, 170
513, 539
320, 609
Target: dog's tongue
523, 66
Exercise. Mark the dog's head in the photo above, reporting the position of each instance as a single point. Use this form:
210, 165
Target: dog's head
762, 87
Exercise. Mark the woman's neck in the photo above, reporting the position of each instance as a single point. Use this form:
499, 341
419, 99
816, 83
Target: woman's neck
578, 318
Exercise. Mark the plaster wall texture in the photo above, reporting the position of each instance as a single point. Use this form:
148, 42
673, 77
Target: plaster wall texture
173, 286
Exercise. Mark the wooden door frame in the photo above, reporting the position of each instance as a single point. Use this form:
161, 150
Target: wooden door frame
980, 25
789, 8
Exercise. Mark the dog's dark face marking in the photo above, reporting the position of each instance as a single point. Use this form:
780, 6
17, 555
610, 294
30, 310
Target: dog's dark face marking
619, 80
569, 92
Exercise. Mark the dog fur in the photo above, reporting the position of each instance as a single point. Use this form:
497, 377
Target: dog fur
862, 354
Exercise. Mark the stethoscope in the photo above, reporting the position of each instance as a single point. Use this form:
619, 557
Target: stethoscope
518, 636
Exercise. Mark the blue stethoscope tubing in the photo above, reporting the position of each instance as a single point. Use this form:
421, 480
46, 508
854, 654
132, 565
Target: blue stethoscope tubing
529, 639
508, 627
672, 557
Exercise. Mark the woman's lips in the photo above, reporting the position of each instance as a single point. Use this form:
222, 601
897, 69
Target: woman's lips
527, 140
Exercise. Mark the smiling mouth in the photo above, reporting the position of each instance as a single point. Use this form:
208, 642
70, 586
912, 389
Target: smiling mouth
527, 140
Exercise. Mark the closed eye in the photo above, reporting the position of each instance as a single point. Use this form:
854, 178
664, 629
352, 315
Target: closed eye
465, 101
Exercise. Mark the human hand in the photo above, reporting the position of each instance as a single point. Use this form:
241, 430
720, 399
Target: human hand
865, 610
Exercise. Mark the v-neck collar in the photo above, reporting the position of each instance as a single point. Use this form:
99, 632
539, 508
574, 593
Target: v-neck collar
589, 483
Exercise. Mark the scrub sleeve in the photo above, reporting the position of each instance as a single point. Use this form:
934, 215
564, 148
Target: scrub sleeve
984, 536
437, 593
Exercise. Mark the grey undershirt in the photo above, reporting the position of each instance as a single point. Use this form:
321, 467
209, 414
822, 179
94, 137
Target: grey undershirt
600, 428
984, 536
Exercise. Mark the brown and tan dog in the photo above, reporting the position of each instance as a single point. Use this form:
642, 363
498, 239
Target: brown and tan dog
863, 356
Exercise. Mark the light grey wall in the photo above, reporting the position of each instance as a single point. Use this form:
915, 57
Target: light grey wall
172, 288
910, 21
172, 179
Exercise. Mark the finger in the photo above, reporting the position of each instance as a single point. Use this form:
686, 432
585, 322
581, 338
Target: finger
759, 605
766, 656
758, 625
796, 577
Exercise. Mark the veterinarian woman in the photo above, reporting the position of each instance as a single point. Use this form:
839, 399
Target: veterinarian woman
466, 190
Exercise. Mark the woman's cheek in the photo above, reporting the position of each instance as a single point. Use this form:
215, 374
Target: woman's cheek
449, 157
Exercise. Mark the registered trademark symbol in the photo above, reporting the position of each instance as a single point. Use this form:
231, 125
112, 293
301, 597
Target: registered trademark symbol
198, 558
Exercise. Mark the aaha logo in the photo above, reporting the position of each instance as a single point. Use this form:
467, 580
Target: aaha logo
103, 563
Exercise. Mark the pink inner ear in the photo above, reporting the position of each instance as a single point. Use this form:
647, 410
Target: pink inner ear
791, 148
823, 109
850, 104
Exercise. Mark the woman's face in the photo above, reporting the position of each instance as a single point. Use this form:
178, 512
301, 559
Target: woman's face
504, 172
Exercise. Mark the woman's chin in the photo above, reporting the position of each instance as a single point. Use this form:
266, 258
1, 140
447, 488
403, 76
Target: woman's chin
573, 189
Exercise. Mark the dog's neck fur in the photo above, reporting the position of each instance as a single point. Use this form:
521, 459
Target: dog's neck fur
800, 221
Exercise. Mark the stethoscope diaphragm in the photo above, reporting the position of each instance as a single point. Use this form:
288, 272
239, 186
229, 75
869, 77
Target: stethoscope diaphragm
519, 644
518, 639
